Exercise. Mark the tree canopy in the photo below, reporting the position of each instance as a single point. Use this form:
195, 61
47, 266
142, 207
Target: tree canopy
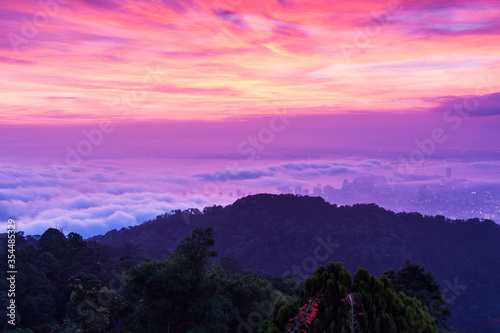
414, 281
378, 308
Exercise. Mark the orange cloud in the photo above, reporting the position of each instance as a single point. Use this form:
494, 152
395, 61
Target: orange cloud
212, 59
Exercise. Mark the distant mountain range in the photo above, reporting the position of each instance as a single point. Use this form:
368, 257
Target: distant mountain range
283, 234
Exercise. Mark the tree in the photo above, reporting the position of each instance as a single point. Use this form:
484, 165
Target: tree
88, 308
251, 297
383, 310
173, 295
54, 241
76, 240
181, 294
195, 248
415, 282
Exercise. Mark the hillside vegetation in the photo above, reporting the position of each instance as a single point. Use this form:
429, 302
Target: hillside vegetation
280, 234
275, 253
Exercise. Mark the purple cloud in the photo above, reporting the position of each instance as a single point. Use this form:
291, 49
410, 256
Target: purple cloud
474, 106
232, 17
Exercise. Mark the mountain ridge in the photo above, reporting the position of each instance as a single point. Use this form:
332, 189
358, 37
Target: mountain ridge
283, 234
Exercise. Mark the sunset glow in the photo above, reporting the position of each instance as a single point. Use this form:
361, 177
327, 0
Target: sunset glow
231, 58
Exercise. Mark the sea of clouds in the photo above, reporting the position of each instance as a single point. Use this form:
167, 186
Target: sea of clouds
101, 195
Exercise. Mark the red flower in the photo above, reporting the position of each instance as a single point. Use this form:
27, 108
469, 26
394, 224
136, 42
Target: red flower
306, 315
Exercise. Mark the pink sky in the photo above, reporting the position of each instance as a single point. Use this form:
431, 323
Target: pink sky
82, 60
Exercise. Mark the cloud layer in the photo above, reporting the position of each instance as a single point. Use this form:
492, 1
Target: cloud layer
104, 194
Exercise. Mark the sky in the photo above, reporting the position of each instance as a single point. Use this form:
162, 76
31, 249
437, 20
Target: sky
112, 112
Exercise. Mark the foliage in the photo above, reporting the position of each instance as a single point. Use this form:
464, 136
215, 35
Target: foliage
306, 315
181, 295
248, 293
76, 240
195, 248
383, 309
276, 233
415, 282
352, 311
265, 233
44, 265
53, 241
88, 308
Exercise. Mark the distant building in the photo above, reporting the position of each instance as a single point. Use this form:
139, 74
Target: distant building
345, 184
305, 191
327, 189
489, 216
285, 189
448, 172
238, 193
317, 190
298, 190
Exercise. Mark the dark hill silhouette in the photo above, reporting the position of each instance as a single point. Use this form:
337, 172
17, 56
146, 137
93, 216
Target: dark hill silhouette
291, 234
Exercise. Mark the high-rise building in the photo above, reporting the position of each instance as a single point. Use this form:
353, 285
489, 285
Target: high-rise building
317, 190
448, 172
298, 190
284, 189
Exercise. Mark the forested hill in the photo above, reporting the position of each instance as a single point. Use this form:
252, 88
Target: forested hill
284, 234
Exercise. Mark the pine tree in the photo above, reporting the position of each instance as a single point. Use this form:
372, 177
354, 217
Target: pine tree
383, 310
414, 281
